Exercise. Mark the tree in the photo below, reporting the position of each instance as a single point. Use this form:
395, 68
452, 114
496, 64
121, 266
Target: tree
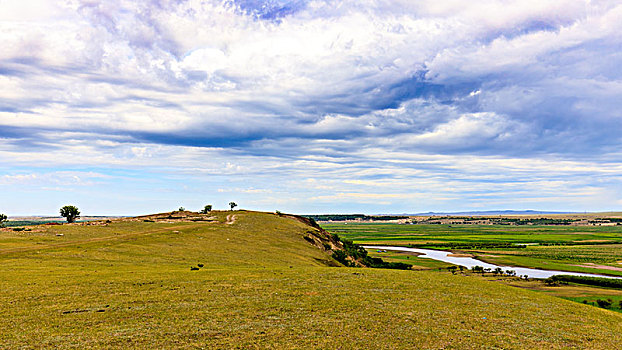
70, 212
232, 205
2, 219
182, 209
206, 209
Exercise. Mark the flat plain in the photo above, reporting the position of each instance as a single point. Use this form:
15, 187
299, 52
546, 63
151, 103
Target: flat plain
590, 249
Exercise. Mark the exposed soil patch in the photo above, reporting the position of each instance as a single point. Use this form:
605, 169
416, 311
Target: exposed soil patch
175, 216
602, 267
317, 236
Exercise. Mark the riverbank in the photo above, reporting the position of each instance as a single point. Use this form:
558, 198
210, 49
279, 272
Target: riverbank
469, 262
593, 250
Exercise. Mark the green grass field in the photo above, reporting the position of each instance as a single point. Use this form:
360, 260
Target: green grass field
129, 285
580, 252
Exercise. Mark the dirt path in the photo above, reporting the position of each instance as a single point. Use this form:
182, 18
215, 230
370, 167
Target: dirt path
230, 219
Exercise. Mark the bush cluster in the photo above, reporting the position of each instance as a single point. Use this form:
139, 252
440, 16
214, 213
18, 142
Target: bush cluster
358, 253
592, 281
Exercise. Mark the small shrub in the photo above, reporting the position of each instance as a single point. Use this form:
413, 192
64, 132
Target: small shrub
605, 304
326, 246
342, 257
550, 282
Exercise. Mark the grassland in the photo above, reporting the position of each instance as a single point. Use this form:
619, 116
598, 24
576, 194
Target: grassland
588, 295
128, 284
593, 249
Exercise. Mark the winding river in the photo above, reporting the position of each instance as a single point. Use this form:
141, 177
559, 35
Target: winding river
441, 255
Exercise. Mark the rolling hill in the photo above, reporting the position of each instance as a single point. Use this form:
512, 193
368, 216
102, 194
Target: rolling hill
258, 280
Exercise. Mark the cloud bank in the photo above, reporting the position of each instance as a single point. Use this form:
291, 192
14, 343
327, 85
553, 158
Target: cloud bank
315, 105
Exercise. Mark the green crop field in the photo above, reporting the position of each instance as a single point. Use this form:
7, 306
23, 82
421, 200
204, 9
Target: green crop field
592, 249
257, 283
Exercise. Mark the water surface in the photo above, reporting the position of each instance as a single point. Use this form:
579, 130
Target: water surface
442, 255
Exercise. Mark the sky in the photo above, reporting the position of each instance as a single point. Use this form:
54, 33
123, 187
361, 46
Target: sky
321, 106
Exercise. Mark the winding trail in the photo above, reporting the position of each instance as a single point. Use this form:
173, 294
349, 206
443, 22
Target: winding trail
231, 219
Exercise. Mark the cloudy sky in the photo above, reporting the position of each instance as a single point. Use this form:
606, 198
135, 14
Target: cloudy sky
310, 106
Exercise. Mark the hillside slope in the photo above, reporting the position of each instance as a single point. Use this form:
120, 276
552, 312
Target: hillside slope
128, 283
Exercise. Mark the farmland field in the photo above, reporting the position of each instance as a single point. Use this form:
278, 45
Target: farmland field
257, 283
592, 249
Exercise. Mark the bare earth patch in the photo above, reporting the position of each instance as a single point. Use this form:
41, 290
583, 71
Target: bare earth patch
602, 267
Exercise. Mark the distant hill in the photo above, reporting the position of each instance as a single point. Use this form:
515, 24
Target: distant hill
391, 217
494, 212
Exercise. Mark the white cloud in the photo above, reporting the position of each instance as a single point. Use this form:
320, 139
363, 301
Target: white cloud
365, 93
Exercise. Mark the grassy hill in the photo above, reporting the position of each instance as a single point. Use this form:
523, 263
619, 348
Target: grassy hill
128, 283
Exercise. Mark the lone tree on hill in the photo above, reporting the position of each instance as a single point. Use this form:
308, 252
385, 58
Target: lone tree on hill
232, 205
206, 209
70, 212
2, 220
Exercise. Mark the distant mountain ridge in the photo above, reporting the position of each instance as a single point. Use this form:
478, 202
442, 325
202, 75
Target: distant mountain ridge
494, 212
385, 216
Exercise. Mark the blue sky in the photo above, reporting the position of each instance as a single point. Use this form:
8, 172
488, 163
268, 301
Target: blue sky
132, 107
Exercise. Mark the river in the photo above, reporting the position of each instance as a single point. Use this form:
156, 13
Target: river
441, 255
